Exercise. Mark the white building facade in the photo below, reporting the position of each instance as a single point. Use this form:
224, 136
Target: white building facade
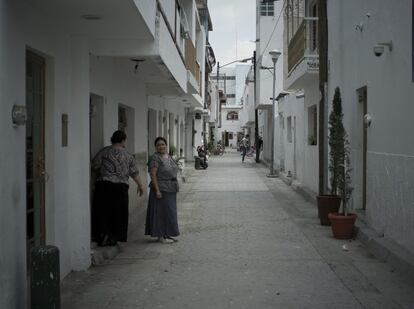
378, 87
81, 70
269, 36
297, 126
234, 85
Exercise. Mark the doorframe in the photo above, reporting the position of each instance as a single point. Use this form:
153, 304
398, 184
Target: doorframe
40, 172
362, 94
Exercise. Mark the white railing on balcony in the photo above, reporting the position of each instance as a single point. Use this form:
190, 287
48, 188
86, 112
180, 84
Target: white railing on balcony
304, 42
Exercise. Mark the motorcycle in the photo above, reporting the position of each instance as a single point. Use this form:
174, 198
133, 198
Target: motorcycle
201, 161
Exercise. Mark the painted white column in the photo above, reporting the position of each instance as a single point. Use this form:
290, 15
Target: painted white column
78, 224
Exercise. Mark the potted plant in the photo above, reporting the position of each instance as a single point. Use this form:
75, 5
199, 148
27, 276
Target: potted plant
340, 168
330, 203
342, 224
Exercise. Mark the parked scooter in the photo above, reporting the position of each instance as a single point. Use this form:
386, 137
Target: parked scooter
201, 161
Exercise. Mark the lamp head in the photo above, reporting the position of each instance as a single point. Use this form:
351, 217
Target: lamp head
275, 55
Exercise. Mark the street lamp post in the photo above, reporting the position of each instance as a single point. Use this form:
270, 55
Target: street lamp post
275, 56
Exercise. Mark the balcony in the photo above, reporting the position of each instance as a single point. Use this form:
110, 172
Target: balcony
303, 57
192, 66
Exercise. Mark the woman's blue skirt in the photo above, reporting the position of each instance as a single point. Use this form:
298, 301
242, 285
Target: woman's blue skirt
161, 218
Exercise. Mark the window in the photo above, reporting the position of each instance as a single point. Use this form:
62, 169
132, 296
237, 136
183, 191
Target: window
267, 9
232, 116
122, 118
289, 129
312, 125
231, 95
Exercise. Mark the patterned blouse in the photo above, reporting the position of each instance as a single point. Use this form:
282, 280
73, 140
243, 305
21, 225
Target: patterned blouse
115, 165
166, 172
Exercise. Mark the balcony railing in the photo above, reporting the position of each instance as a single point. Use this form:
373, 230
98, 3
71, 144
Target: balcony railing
191, 60
304, 42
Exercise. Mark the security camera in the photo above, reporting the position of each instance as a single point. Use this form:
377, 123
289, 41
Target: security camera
378, 50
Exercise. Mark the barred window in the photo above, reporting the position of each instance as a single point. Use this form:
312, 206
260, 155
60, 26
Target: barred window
232, 116
267, 9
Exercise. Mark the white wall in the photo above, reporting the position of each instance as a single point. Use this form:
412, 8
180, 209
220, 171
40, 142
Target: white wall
300, 158
147, 10
270, 38
241, 74
162, 104
113, 79
233, 126
390, 157
170, 56
66, 92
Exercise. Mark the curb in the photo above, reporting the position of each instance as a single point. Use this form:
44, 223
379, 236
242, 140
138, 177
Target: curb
386, 250
306, 193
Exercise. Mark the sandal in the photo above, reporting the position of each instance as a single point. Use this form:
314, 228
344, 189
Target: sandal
164, 240
172, 238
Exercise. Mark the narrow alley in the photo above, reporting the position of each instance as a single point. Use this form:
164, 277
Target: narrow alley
246, 241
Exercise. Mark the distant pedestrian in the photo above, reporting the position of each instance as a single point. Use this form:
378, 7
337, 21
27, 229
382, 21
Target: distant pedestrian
258, 147
161, 220
113, 165
244, 145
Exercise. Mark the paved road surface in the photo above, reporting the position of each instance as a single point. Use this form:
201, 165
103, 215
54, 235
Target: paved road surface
246, 241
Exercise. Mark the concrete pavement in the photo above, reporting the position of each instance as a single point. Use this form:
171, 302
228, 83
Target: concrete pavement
246, 241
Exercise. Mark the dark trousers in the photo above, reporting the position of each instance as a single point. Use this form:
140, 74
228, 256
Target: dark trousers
243, 150
110, 211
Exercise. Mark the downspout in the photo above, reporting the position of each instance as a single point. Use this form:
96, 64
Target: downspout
323, 80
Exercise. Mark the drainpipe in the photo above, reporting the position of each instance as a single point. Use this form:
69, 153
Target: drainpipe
323, 80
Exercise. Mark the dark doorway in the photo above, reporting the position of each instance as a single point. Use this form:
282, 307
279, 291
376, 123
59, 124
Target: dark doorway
35, 150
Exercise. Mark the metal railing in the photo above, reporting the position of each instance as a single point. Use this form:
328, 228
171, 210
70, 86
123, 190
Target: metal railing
304, 42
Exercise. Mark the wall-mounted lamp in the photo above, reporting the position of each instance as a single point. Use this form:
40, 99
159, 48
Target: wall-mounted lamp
136, 61
19, 115
300, 94
367, 120
379, 48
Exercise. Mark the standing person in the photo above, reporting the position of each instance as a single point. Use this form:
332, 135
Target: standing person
113, 165
244, 145
259, 147
161, 219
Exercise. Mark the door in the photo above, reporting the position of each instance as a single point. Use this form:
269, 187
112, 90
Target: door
35, 150
361, 150
96, 124
363, 93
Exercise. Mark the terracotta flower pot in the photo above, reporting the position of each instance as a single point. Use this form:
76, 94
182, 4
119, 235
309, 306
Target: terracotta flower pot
342, 226
326, 205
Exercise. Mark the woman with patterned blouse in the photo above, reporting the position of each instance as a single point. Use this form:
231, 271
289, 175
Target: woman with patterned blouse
161, 219
113, 165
